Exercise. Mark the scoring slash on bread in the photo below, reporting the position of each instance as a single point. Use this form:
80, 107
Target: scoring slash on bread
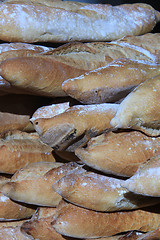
60, 131
69, 221
146, 180
33, 184
111, 82
73, 21
140, 109
119, 153
20, 149
98, 192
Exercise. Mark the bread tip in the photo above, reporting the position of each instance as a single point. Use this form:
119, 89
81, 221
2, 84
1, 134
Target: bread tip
69, 87
115, 122
128, 185
6, 188
37, 125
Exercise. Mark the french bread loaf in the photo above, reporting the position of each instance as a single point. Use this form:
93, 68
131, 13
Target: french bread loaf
98, 192
11, 50
111, 82
146, 180
16, 110
72, 21
33, 184
118, 153
60, 131
39, 226
73, 59
140, 109
18, 149
11, 210
74, 221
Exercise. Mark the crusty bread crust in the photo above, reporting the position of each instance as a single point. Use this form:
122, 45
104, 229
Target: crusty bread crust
66, 22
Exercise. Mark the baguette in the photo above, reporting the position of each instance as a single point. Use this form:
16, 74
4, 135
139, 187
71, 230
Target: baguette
72, 21
11, 50
98, 192
111, 82
146, 180
79, 222
11, 121
20, 149
119, 153
140, 109
33, 184
73, 59
11, 210
39, 226
60, 131
38, 75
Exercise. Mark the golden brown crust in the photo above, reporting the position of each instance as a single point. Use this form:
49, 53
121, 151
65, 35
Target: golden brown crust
20, 149
149, 42
38, 75
140, 109
39, 227
118, 153
49, 111
11, 210
33, 184
60, 131
69, 221
111, 82
98, 192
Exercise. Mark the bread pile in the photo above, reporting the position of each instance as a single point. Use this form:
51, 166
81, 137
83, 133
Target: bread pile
79, 121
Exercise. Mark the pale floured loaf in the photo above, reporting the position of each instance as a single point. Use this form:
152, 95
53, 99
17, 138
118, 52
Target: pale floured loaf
72, 21
146, 180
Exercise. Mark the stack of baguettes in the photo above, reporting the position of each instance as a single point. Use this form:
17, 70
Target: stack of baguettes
79, 121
